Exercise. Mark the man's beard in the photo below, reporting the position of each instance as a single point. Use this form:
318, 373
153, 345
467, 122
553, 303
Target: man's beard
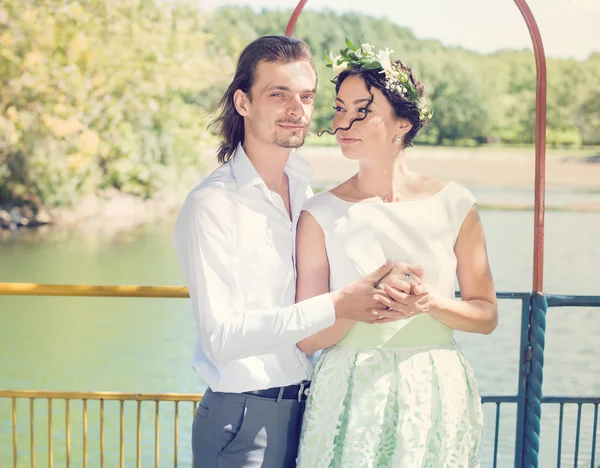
293, 141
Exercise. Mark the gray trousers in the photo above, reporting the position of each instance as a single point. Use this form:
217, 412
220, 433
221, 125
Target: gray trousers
232, 430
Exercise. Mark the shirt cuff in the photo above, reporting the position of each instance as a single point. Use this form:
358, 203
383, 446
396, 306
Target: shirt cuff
318, 312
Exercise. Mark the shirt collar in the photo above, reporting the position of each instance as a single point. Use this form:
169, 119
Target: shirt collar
247, 176
245, 173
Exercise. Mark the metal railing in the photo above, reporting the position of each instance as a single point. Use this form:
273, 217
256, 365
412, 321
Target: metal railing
76, 290
555, 300
101, 397
528, 399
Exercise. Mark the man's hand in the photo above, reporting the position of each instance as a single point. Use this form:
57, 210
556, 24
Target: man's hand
358, 300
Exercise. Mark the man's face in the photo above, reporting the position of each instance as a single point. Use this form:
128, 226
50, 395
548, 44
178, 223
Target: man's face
281, 103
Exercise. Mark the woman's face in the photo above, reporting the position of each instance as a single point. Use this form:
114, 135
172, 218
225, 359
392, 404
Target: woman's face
373, 136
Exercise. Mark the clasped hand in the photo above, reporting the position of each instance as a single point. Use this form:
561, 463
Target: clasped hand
403, 292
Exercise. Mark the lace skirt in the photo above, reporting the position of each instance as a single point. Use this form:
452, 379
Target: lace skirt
404, 408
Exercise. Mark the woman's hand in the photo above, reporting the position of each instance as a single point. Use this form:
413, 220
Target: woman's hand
422, 299
395, 288
402, 278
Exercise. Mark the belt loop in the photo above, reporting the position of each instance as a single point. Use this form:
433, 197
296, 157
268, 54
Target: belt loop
280, 396
301, 391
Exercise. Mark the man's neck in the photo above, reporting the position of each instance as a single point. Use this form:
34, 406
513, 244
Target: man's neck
269, 160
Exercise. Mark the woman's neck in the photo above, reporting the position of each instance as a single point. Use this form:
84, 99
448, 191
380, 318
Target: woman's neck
382, 177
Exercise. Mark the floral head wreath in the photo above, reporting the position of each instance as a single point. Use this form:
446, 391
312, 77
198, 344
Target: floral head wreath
397, 78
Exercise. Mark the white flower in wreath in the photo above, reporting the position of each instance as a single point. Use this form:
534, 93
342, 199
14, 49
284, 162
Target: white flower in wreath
383, 58
339, 65
367, 48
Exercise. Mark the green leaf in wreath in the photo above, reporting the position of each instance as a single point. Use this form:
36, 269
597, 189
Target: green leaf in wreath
371, 65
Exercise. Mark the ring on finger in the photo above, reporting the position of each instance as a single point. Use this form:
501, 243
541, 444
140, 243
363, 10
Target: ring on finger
408, 278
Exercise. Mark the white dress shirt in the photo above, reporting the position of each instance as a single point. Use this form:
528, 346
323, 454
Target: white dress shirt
236, 244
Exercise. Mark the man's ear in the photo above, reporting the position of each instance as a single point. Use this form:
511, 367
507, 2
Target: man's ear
241, 101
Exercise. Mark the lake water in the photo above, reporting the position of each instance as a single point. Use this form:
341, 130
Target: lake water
145, 345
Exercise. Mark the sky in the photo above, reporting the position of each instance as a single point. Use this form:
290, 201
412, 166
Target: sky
569, 28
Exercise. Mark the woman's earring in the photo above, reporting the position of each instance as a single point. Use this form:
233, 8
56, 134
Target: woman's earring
398, 141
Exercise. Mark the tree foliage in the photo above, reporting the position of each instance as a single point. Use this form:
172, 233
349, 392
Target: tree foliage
98, 94
477, 98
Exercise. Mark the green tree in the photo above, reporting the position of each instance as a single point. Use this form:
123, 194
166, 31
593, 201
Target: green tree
97, 95
460, 107
588, 119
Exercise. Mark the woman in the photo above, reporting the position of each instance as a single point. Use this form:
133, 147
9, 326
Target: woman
396, 393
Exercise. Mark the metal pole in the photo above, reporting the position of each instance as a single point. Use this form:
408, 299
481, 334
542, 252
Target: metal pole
292, 23
532, 410
532, 356
540, 146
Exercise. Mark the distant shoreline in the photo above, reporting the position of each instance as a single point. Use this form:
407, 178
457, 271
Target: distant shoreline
481, 167
483, 170
486, 170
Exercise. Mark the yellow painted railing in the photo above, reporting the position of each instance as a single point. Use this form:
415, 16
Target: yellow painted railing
84, 398
32, 289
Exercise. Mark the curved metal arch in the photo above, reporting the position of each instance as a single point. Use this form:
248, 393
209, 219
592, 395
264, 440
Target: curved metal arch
540, 135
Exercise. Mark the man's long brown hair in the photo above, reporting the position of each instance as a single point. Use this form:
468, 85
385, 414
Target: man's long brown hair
264, 49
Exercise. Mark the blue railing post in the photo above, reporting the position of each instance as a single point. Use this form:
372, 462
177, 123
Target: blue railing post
524, 369
533, 385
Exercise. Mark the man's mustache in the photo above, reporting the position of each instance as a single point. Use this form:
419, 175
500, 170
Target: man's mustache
292, 122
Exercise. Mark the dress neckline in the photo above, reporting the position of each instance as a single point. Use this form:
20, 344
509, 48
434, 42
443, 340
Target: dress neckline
401, 202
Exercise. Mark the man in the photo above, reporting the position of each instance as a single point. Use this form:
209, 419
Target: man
235, 238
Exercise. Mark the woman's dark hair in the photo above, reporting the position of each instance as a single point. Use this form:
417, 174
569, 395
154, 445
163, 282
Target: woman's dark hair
264, 49
403, 107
